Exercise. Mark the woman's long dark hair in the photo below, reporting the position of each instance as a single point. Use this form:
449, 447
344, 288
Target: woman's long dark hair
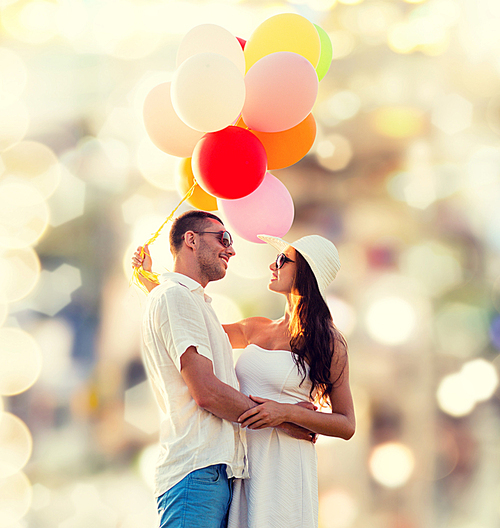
315, 340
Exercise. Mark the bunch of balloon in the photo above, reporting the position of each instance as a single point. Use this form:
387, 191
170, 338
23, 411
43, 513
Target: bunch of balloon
236, 109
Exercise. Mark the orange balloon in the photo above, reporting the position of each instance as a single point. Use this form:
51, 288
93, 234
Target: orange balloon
185, 179
289, 146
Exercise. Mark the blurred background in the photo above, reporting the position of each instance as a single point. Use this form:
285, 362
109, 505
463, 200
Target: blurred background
404, 177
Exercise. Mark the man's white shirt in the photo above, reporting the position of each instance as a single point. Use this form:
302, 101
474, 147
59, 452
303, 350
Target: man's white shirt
178, 315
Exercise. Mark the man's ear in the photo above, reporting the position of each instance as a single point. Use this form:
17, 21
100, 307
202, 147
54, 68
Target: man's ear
190, 239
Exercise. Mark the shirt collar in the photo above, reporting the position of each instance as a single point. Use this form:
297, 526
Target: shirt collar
186, 281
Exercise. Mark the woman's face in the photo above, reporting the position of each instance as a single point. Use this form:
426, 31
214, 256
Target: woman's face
282, 279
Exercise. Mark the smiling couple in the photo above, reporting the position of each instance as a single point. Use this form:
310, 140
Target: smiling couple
237, 444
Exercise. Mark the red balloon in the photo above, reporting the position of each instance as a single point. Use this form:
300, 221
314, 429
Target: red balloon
242, 42
229, 163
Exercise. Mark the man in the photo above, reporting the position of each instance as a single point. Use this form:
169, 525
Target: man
189, 361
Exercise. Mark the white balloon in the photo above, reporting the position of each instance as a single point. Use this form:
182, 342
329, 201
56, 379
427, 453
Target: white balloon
208, 92
210, 38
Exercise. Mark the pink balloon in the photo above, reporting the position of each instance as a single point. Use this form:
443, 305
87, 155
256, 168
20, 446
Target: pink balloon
281, 89
269, 209
164, 127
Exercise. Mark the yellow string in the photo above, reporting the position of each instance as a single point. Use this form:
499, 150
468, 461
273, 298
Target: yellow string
151, 275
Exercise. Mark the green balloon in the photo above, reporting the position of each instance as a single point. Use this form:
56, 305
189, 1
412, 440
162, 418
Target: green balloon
326, 54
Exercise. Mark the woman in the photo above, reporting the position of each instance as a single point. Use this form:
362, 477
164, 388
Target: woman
301, 356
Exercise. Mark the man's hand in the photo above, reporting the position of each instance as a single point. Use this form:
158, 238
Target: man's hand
145, 261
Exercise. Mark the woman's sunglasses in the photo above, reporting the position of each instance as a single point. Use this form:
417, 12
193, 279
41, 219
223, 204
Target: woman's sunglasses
224, 237
281, 260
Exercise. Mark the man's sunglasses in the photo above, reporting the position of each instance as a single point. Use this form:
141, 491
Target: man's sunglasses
281, 260
224, 237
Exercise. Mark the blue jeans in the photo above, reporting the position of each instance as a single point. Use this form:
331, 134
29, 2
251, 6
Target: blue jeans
199, 500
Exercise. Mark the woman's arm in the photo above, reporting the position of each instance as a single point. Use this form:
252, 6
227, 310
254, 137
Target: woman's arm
340, 422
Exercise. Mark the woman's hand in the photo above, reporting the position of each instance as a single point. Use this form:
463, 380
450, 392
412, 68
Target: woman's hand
268, 414
145, 261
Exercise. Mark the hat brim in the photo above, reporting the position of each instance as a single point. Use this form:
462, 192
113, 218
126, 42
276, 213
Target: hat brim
277, 243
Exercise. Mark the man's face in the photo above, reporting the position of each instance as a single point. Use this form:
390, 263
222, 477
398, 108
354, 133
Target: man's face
212, 256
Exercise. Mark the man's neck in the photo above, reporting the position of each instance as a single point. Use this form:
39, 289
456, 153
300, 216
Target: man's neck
181, 267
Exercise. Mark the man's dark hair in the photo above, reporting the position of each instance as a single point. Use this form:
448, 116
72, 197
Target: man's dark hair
189, 221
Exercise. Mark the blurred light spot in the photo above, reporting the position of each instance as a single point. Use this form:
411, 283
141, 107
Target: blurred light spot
318, 5
133, 208
19, 272
350, 2
394, 122
24, 215
344, 315
484, 167
157, 167
55, 339
54, 289
391, 464
147, 463
252, 260
21, 361
337, 509
344, 105
374, 19
400, 38
32, 21
122, 124
68, 201
72, 18
493, 114
226, 309
334, 152
4, 309
391, 320
434, 265
481, 377
33, 163
15, 121
454, 396
420, 188
16, 444
15, 498
343, 43
95, 162
120, 30
13, 73
41, 497
141, 409
452, 113
90, 510
461, 329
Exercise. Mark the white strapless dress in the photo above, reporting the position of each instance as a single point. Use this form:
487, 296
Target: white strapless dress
282, 491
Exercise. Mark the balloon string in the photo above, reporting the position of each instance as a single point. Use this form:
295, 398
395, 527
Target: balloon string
151, 275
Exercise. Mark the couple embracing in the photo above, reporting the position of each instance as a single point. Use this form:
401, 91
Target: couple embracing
237, 445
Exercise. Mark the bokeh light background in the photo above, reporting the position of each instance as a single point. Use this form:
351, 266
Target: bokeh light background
404, 177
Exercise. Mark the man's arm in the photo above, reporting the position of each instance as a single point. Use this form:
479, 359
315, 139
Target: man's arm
219, 398
208, 391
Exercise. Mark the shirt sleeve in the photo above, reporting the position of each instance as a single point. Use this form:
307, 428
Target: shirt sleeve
181, 324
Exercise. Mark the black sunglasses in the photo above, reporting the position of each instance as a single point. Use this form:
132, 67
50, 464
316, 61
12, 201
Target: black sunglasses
281, 260
224, 237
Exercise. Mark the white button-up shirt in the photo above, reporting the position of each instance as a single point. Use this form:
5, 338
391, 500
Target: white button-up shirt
178, 315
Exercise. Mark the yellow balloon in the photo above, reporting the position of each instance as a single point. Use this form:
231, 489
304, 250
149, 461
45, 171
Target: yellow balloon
185, 179
284, 32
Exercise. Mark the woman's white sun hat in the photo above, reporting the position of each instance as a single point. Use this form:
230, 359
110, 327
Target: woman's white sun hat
321, 255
